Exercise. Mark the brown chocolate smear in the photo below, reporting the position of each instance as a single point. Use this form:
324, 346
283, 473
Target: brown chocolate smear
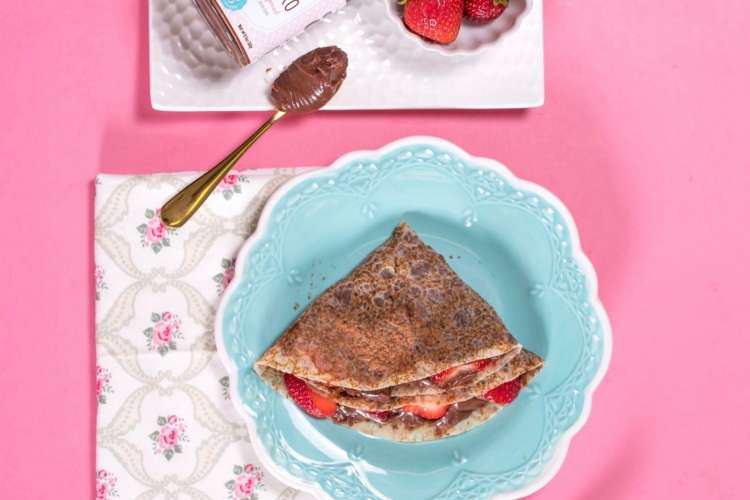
460, 379
457, 412
349, 416
379, 396
310, 81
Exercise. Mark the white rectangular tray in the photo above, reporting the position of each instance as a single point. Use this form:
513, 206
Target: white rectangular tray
388, 68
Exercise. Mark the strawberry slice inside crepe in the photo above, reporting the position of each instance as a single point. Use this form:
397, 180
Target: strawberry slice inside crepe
400, 348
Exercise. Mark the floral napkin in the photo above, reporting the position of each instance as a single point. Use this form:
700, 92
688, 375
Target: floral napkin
165, 427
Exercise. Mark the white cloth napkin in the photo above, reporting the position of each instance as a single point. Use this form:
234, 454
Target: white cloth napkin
165, 426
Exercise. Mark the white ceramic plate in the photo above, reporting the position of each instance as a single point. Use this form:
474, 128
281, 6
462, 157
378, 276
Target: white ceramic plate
389, 68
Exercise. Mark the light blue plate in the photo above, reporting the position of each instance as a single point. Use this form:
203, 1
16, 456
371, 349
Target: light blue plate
510, 240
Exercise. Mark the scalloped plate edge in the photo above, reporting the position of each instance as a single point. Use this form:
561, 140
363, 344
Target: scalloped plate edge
561, 448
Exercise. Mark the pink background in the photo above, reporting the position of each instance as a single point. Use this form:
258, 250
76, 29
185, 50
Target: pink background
644, 135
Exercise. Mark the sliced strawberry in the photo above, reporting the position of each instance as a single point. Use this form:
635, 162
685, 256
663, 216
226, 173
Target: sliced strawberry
430, 412
482, 364
313, 403
505, 393
445, 375
325, 406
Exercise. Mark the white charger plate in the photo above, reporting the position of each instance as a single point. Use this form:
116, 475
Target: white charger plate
388, 68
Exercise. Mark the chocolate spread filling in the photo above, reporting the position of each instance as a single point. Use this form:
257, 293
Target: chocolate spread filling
379, 396
456, 413
347, 415
310, 81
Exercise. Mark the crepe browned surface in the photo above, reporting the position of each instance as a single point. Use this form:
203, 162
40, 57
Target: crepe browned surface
402, 315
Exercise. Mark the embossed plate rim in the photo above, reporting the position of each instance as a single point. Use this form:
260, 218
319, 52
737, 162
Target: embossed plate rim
559, 452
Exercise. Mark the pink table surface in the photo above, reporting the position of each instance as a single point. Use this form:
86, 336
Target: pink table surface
643, 135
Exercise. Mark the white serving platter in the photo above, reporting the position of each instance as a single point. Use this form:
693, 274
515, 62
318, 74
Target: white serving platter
389, 68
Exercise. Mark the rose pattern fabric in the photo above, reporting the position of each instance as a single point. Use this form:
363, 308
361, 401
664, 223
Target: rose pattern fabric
163, 334
231, 184
138, 385
106, 484
103, 378
154, 234
246, 483
225, 277
224, 382
169, 437
100, 284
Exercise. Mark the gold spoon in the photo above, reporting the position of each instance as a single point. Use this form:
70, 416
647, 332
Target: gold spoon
305, 86
184, 204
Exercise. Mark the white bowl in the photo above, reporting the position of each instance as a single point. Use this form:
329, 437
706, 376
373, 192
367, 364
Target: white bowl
472, 38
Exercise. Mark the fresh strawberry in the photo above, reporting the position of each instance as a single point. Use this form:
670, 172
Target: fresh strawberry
430, 412
326, 407
314, 404
482, 364
505, 393
436, 20
445, 375
484, 11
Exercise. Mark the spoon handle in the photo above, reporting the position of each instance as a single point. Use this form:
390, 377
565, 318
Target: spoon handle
184, 204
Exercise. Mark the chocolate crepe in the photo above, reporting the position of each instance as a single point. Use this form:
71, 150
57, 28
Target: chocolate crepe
372, 341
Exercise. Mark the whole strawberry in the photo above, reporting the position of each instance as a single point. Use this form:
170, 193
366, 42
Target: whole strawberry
436, 20
484, 11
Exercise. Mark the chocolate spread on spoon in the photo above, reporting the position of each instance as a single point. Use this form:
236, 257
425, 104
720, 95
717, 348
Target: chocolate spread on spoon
310, 81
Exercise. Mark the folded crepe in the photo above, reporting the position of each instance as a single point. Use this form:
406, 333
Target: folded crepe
400, 348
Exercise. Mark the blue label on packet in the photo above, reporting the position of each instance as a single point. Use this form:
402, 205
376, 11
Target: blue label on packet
233, 4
